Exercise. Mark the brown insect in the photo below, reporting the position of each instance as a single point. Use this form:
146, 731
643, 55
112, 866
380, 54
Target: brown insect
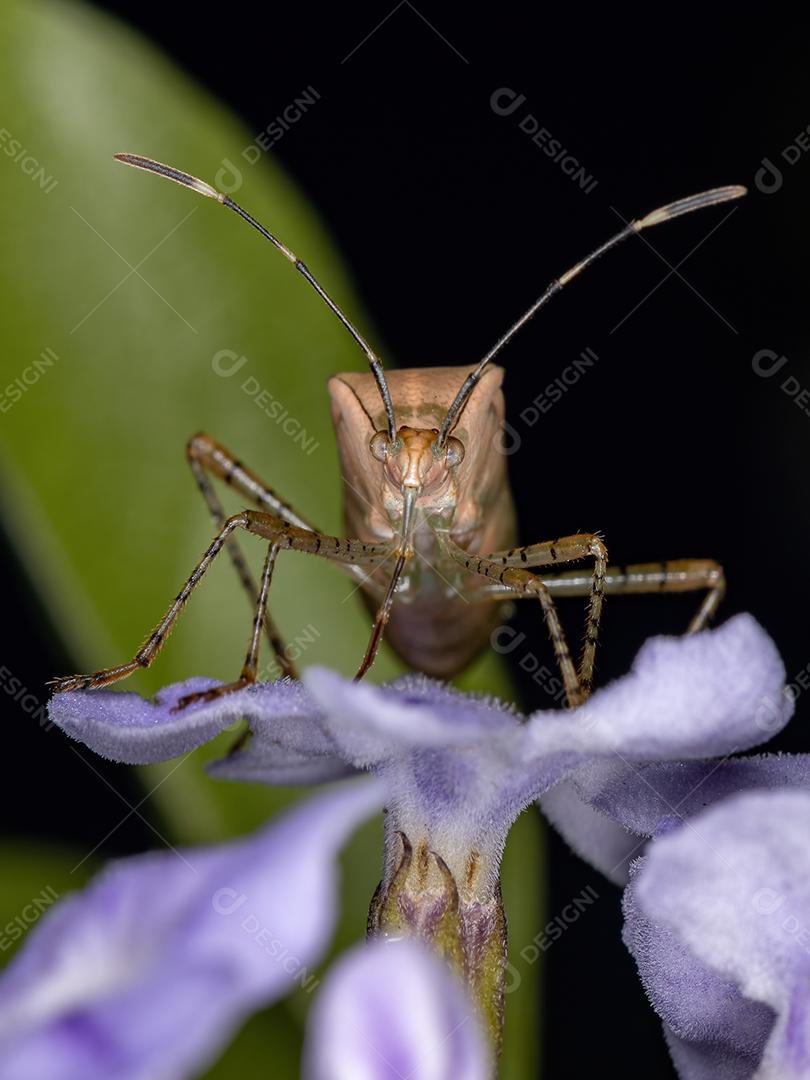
427, 506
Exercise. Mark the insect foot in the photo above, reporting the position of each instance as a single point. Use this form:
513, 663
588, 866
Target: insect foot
98, 678
211, 695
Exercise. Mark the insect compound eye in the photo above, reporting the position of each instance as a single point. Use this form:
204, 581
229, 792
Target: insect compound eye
379, 445
455, 452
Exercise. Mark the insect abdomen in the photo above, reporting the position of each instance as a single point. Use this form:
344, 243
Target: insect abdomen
441, 636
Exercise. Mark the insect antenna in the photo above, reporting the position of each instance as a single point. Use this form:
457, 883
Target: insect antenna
655, 217
210, 192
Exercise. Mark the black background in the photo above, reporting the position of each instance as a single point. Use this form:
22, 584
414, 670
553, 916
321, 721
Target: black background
453, 221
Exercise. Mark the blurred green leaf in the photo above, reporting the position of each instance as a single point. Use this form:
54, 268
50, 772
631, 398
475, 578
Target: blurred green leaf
268, 1045
525, 902
94, 483
118, 291
33, 878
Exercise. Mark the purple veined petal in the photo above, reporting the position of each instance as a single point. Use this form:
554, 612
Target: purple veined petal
391, 1010
734, 887
128, 728
372, 723
712, 693
593, 836
651, 798
459, 771
266, 762
459, 768
684, 697
712, 1030
707, 1060
444, 756
148, 971
125, 727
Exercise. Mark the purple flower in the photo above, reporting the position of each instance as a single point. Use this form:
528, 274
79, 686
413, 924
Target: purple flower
457, 769
148, 971
391, 1010
718, 918
608, 808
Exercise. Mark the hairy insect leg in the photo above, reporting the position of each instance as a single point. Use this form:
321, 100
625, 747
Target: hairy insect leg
520, 582
381, 619
562, 550
404, 553
250, 667
675, 575
280, 534
204, 454
149, 650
